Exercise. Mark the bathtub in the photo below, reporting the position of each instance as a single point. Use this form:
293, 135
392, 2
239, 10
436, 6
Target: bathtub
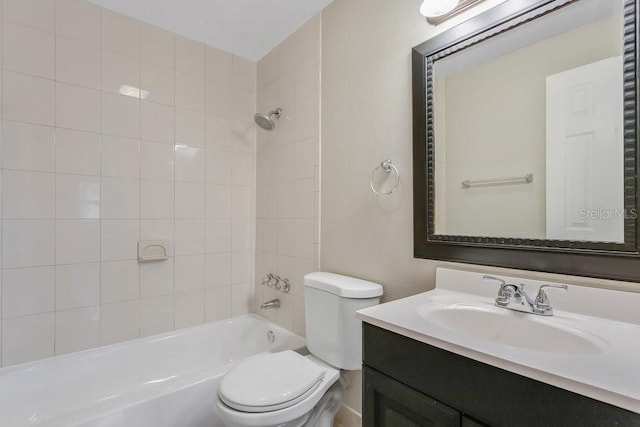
167, 380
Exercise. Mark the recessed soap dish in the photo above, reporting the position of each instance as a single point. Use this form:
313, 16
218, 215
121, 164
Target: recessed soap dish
153, 250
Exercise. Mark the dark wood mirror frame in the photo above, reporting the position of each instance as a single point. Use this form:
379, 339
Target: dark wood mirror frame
593, 259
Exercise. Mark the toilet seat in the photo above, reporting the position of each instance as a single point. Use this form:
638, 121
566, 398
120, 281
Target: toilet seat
270, 382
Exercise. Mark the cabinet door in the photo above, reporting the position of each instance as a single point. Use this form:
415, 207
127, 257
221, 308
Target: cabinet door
388, 403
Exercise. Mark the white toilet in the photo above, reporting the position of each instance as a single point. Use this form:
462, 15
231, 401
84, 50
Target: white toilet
286, 389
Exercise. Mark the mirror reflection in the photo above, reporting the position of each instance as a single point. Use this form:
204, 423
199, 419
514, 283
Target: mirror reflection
529, 130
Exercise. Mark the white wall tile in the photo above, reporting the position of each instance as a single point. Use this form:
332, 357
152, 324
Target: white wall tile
77, 108
157, 122
189, 200
27, 50
304, 238
189, 128
27, 338
189, 309
120, 198
189, 164
156, 315
189, 273
157, 46
157, 199
244, 73
119, 281
157, 229
27, 243
119, 322
189, 56
218, 132
219, 66
219, 99
77, 152
120, 157
28, 99
244, 137
77, 197
217, 303
242, 199
190, 93
218, 201
218, 167
156, 161
77, 285
27, 291
77, 329
119, 70
242, 169
158, 81
244, 104
119, 239
77, 63
28, 147
242, 300
27, 195
218, 270
189, 237
156, 278
120, 33
242, 234
305, 157
120, 115
78, 20
34, 13
241, 268
77, 241
218, 235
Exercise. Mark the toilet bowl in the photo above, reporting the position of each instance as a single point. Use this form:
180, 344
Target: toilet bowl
286, 389
279, 389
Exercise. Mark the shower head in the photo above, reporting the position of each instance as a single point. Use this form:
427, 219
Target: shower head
266, 121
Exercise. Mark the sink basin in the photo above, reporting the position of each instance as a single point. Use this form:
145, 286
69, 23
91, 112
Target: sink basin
511, 328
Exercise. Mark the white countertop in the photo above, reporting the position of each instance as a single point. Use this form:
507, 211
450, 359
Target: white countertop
609, 318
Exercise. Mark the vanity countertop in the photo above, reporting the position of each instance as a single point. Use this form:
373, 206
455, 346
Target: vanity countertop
591, 345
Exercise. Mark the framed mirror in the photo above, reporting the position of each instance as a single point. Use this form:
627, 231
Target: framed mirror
525, 139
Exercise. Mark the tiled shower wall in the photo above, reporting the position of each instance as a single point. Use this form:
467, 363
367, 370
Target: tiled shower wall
115, 131
288, 169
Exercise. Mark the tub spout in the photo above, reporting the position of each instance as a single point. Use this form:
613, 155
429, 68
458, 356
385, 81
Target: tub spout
274, 303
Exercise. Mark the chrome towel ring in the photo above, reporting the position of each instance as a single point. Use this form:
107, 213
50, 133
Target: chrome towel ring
387, 167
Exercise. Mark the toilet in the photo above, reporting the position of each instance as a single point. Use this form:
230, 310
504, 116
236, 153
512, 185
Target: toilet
286, 389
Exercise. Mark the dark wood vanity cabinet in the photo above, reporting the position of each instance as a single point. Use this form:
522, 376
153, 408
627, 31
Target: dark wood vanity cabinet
407, 383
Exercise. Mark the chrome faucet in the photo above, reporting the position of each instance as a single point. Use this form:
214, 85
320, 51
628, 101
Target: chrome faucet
274, 303
515, 297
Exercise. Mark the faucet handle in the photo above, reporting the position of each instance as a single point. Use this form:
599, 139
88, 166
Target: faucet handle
542, 300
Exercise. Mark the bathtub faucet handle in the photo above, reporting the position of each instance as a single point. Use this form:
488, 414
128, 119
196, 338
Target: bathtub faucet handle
286, 286
267, 280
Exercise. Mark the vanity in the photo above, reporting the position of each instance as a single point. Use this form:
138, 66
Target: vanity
451, 357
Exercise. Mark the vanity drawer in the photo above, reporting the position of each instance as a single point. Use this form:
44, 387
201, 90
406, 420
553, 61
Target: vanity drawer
485, 393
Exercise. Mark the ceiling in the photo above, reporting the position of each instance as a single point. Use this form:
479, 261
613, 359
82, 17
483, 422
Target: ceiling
247, 28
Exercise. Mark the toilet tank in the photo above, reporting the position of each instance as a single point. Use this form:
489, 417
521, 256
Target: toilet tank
333, 332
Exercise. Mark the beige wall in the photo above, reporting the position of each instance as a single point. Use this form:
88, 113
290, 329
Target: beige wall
366, 117
496, 127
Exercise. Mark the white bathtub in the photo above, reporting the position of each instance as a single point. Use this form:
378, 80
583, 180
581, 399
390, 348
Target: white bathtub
167, 380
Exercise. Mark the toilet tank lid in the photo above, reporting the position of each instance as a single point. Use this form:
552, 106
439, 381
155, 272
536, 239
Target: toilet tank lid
343, 286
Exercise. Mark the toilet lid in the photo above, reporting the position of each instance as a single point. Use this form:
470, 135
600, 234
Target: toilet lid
270, 381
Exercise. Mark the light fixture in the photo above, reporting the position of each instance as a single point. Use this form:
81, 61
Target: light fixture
435, 8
